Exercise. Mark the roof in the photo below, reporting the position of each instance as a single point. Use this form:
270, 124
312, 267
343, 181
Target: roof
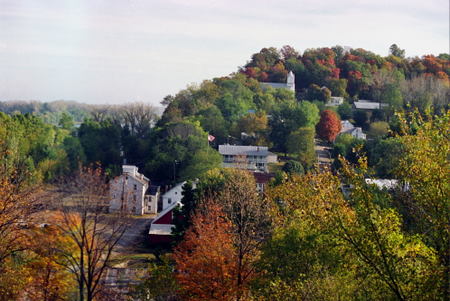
168, 208
263, 153
346, 126
176, 187
160, 229
262, 177
277, 85
383, 183
227, 149
365, 105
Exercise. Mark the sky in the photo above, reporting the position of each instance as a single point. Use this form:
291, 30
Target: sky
116, 51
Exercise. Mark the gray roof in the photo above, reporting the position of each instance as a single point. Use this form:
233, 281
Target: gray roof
277, 85
364, 105
248, 150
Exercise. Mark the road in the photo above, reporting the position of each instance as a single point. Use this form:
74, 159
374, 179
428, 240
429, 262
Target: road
323, 152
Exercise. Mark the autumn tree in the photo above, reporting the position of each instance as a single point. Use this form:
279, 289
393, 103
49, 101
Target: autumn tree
205, 259
250, 222
47, 280
329, 125
247, 213
83, 220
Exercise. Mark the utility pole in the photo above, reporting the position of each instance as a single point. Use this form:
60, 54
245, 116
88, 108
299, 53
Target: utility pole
174, 169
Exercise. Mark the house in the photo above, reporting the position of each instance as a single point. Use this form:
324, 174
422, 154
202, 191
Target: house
368, 105
154, 193
349, 128
174, 195
335, 101
262, 180
253, 158
128, 192
289, 85
161, 227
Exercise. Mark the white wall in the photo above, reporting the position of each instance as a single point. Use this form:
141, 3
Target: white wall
133, 192
172, 196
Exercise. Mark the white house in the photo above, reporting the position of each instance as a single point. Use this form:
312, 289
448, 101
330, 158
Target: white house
290, 83
349, 128
174, 195
363, 104
335, 101
128, 192
253, 158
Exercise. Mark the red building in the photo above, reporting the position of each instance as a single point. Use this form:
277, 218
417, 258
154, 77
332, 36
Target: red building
161, 227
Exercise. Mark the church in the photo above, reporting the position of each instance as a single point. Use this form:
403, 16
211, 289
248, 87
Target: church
290, 83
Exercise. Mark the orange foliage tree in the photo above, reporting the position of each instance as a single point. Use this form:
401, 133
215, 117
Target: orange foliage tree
329, 125
205, 260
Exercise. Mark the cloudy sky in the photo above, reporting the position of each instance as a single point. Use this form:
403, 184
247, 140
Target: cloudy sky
113, 51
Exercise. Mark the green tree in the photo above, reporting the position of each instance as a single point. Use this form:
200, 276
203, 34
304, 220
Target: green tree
396, 51
293, 167
66, 121
378, 129
345, 111
301, 143
424, 167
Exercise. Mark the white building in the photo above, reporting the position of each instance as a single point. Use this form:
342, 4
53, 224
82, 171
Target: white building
128, 192
253, 158
335, 101
349, 128
174, 195
363, 104
290, 83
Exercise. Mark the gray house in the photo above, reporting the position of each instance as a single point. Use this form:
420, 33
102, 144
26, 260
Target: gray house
253, 158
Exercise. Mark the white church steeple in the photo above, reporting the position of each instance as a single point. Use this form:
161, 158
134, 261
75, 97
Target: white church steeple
291, 81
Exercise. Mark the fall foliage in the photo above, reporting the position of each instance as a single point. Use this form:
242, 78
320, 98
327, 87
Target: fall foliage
329, 125
206, 259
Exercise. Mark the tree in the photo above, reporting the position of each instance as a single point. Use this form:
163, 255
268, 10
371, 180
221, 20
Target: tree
345, 111
85, 224
301, 143
384, 154
293, 167
378, 129
376, 237
249, 225
158, 284
182, 215
361, 118
66, 121
243, 207
329, 125
47, 281
396, 51
308, 114
205, 259
424, 168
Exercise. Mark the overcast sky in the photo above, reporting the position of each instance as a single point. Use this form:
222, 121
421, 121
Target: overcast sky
113, 51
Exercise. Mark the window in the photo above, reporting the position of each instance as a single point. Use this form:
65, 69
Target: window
176, 192
169, 201
135, 187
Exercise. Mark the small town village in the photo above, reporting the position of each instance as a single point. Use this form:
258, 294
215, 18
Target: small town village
197, 150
